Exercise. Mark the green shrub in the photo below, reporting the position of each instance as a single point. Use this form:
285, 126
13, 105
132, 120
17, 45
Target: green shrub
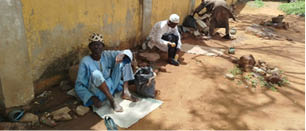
258, 3
297, 8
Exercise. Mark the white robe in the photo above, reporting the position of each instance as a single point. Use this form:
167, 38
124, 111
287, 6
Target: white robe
158, 30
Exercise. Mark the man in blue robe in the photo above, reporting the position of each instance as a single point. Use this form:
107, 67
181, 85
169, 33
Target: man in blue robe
103, 73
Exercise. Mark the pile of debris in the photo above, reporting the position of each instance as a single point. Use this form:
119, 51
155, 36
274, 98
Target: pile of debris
276, 22
271, 74
30, 120
38, 113
63, 114
260, 72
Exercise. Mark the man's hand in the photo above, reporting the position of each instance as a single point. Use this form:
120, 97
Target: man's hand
119, 58
193, 13
172, 44
97, 103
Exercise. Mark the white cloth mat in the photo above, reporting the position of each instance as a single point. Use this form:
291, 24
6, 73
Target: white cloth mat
201, 50
132, 111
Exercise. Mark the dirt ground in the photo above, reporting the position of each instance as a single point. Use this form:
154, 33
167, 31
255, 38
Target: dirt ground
196, 94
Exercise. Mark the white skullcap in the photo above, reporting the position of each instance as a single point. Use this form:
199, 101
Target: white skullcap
174, 18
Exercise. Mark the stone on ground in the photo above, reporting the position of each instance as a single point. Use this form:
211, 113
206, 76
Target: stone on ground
61, 114
47, 121
230, 76
81, 110
30, 117
61, 110
152, 57
62, 117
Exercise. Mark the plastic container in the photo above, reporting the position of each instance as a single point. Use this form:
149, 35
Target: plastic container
231, 50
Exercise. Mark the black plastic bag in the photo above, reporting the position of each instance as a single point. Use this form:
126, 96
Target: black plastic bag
145, 82
189, 21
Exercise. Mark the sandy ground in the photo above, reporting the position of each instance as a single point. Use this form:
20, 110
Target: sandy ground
196, 95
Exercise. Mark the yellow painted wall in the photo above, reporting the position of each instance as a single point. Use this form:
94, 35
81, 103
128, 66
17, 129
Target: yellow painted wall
56, 27
229, 2
198, 2
162, 9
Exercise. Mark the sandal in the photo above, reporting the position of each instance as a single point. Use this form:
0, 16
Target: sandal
109, 123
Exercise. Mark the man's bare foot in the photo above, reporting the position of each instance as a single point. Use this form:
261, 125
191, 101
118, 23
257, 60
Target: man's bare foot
128, 96
157, 93
117, 107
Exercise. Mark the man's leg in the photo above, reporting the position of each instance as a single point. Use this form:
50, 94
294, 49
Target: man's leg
124, 71
171, 55
211, 29
171, 50
128, 75
99, 82
227, 35
109, 96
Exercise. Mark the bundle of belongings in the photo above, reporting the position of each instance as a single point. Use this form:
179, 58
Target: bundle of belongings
195, 25
145, 82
